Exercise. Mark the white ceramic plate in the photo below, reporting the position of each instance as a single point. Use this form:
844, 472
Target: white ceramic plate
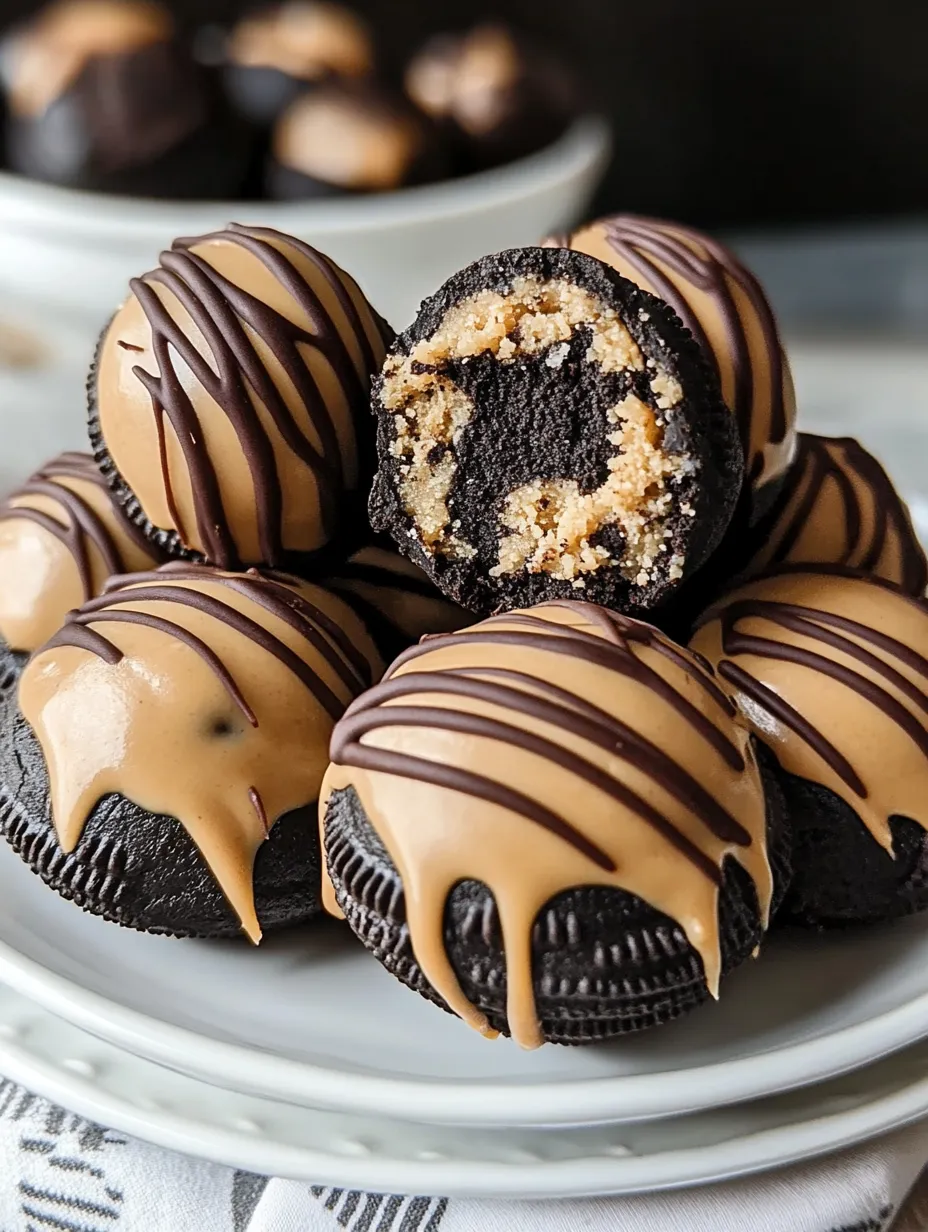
310, 1017
138, 1098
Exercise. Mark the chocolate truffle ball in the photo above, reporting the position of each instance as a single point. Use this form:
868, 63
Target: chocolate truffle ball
830, 671
339, 139
396, 600
552, 825
548, 430
274, 53
229, 400
839, 507
101, 95
724, 307
163, 762
62, 537
498, 97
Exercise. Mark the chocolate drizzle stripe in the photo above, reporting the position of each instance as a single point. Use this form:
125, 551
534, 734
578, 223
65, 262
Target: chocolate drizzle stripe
336, 279
615, 656
83, 619
643, 243
210, 606
791, 718
275, 595
82, 637
258, 805
802, 620
383, 579
572, 714
223, 314
347, 750
841, 460
83, 525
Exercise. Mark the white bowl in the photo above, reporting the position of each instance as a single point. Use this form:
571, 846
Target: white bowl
73, 252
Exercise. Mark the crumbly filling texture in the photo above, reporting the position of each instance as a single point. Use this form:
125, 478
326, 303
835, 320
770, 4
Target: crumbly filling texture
549, 525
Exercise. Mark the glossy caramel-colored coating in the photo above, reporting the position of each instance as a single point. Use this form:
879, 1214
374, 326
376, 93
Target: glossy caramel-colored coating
202, 695
545, 749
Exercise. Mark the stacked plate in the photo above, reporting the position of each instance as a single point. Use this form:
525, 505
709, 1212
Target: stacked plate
305, 1059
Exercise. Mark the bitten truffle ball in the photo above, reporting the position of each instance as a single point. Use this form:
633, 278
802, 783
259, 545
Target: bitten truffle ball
547, 430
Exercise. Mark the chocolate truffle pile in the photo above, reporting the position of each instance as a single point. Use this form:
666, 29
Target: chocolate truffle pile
659, 667
291, 102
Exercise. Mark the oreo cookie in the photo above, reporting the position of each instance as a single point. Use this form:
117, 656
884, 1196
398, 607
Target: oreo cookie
547, 430
161, 759
552, 825
829, 667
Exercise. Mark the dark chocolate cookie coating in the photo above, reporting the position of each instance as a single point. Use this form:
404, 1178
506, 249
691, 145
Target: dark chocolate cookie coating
605, 963
842, 876
137, 869
535, 420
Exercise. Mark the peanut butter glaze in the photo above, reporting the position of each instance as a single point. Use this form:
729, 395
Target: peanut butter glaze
47, 56
839, 507
201, 695
304, 39
243, 363
830, 669
724, 307
395, 598
545, 749
61, 538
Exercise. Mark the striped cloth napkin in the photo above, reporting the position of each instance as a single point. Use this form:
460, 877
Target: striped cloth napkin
61, 1173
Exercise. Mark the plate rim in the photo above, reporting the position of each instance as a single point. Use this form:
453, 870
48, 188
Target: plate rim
592, 1101
804, 1138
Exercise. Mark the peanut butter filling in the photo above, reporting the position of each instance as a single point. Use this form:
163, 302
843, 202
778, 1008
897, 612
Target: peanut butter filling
543, 750
549, 525
201, 695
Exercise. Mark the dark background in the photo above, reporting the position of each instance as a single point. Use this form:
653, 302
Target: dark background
726, 112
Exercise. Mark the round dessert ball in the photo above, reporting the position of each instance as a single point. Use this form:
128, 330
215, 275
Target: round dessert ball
275, 52
229, 400
547, 430
552, 825
162, 762
497, 97
724, 307
101, 95
340, 139
839, 507
62, 537
396, 601
830, 670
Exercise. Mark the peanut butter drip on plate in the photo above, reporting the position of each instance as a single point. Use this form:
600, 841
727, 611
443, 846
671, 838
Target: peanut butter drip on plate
240, 368
205, 696
306, 40
47, 56
831, 671
546, 749
62, 537
839, 507
724, 307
